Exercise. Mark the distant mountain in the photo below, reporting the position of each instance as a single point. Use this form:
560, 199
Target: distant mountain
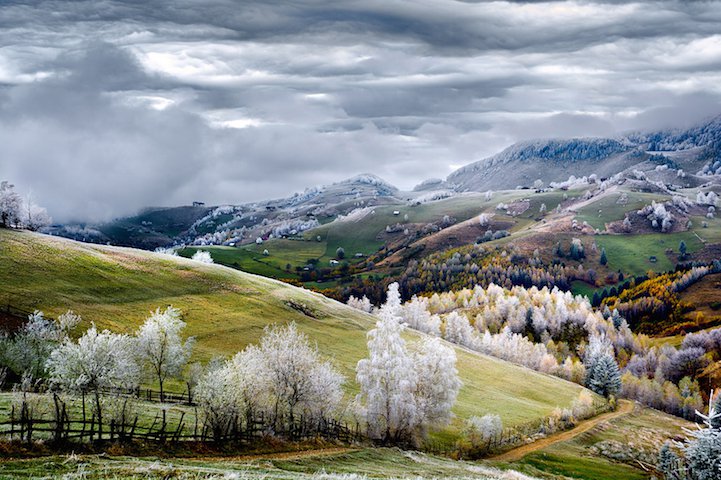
696, 150
237, 223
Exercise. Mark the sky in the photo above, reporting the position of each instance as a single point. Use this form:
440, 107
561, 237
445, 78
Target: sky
107, 107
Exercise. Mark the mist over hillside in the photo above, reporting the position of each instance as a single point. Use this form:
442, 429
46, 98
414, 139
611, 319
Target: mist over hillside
694, 151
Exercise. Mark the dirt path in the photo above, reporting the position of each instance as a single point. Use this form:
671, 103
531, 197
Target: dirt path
625, 407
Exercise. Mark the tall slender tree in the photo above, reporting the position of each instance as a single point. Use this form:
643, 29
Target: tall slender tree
161, 348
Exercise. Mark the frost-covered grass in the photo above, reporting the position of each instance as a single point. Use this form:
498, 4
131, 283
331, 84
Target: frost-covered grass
226, 309
354, 465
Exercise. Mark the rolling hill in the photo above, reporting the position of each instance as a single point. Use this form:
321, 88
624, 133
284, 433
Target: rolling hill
226, 309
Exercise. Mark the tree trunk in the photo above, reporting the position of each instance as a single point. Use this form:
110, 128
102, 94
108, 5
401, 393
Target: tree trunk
100, 415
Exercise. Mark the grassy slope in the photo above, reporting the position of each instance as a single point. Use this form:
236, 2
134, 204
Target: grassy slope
226, 309
645, 431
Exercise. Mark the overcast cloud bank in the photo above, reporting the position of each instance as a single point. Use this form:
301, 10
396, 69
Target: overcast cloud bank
107, 107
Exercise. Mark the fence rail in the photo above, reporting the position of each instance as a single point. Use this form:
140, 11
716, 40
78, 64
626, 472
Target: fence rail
25, 425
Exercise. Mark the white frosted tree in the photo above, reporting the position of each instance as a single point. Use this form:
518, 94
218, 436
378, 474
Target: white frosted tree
26, 352
416, 315
282, 379
362, 304
202, 256
387, 382
34, 217
480, 431
458, 329
437, 384
97, 361
300, 382
392, 307
10, 205
160, 347
218, 399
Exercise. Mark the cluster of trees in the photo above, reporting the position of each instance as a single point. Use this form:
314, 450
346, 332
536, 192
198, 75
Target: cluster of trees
43, 352
491, 235
654, 305
708, 198
576, 251
658, 215
560, 334
667, 378
282, 382
469, 266
516, 317
18, 212
472, 265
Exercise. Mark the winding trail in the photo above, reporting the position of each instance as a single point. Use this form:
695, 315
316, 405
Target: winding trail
625, 407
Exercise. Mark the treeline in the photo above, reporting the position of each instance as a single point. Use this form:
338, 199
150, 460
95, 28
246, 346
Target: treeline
467, 267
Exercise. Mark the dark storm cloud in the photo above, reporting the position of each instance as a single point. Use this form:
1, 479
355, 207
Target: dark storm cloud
109, 106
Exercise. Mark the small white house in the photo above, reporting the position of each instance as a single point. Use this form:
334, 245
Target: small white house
396, 212
334, 262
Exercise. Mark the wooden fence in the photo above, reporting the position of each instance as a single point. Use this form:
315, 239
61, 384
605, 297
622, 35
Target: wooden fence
26, 426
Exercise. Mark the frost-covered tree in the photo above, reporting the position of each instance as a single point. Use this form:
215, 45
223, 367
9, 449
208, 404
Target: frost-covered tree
340, 253
362, 304
27, 352
392, 307
34, 217
160, 347
416, 315
299, 381
10, 205
458, 329
669, 464
437, 384
167, 251
96, 362
703, 449
403, 394
217, 395
577, 251
202, 256
604, 376
388, 383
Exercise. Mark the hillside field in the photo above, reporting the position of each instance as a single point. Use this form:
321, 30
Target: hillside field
226, 309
